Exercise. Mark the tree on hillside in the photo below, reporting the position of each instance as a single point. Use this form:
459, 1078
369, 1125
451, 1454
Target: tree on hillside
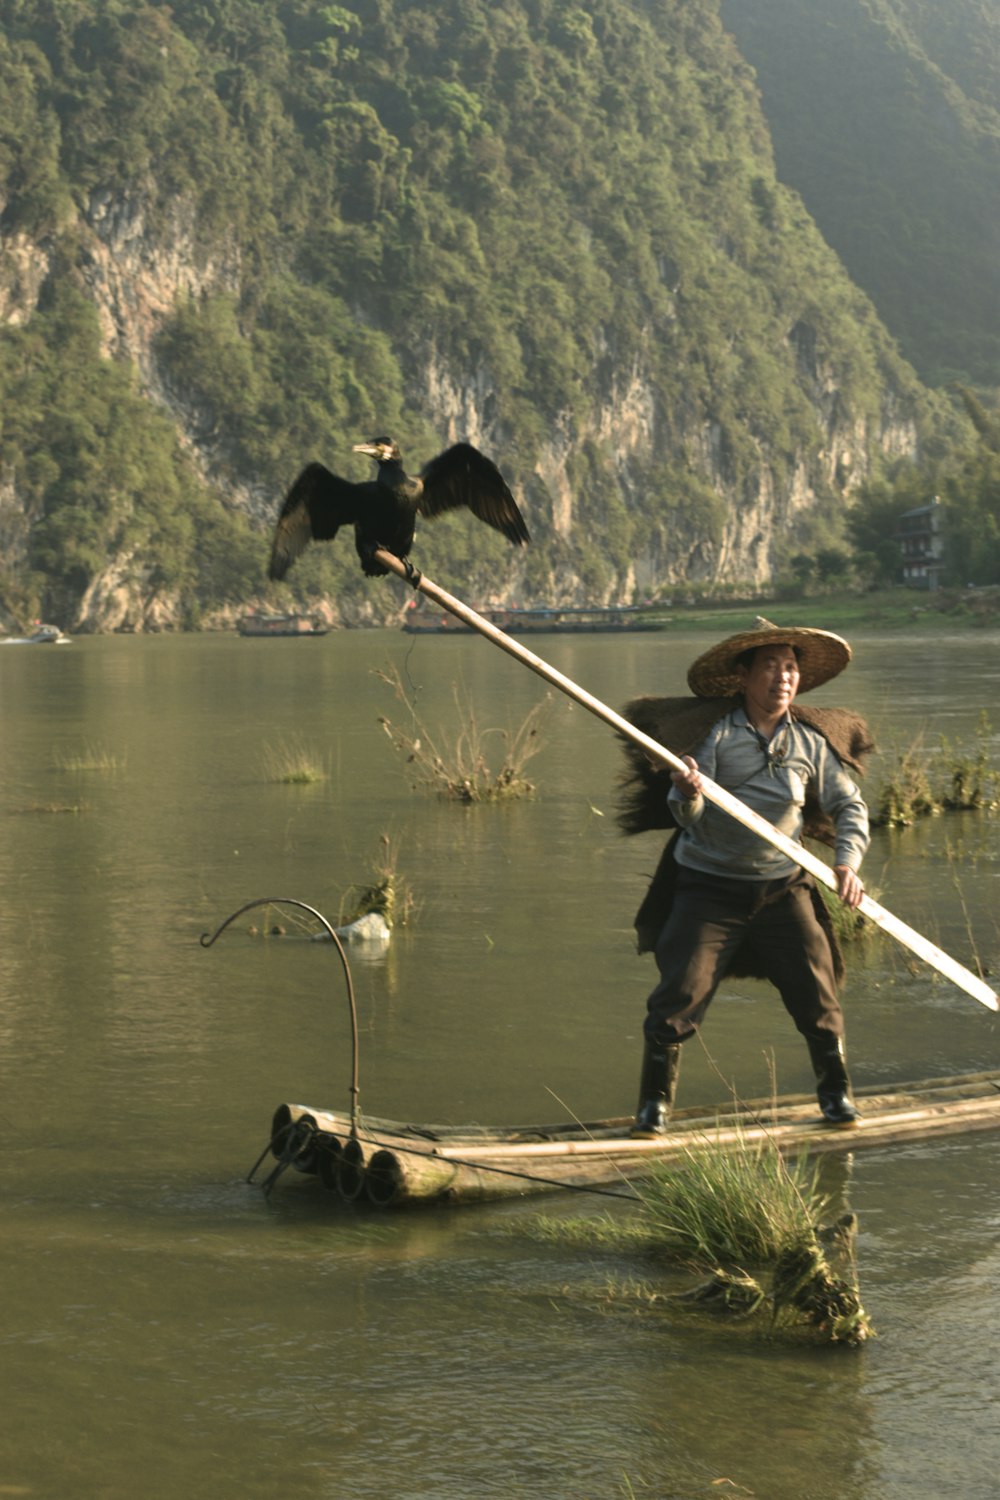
971, 497
873, 521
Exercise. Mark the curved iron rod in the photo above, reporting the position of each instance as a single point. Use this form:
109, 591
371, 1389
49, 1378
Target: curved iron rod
207, 939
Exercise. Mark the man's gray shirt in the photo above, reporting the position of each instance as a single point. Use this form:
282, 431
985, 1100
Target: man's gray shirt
772, 779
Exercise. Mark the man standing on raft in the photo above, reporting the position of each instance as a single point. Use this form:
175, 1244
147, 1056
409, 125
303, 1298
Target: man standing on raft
723, 900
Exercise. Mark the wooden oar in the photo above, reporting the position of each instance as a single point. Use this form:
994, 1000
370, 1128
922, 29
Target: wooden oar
915, 941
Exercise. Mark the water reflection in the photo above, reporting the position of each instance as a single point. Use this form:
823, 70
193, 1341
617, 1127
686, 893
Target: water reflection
168, 1331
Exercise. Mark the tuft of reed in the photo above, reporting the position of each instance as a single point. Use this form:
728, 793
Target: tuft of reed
51, 807
905, 794
456, 763
722, 1209
732, 1205
388, 893
970, 781
292, 762
951, 779
89, 758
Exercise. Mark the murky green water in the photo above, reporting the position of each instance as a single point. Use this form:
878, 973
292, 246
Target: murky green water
167, 1332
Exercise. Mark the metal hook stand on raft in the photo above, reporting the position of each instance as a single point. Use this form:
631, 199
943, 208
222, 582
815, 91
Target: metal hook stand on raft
295, 1146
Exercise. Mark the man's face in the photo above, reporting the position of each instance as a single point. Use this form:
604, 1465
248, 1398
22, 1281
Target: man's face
770, 682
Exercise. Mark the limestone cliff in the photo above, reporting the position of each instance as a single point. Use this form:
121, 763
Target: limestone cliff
579, 259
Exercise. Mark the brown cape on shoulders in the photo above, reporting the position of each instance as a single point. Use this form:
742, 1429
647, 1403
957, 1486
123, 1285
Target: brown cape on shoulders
680, 725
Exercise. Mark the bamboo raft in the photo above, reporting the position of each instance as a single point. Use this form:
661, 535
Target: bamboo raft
390, 1164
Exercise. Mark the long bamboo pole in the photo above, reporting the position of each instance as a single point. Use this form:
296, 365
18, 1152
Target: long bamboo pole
915, 941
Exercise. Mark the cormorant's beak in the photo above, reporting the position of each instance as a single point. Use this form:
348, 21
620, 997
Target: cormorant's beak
372, 449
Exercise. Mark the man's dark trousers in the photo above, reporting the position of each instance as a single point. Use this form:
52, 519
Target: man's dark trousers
774, 921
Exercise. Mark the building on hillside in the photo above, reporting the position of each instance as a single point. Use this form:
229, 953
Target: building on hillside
920, 534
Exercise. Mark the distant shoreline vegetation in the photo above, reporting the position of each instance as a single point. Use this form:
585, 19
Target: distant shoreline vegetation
893, 609
896, 609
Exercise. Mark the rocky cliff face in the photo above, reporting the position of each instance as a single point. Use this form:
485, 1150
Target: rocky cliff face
136, 274
773, 502
578, 258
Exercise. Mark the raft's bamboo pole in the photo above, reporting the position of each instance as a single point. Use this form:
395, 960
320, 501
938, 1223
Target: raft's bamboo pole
328, 1151
395, 1178
746, 1133
334, 1127
915, 941
392, 1168
350, 1170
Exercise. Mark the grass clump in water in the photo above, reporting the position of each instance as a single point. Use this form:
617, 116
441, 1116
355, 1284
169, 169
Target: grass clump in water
388, 892
951, 779
293, 763
89, 758
748, 1222
52, 807
731, 1205
906, 793
971, 782
456, 763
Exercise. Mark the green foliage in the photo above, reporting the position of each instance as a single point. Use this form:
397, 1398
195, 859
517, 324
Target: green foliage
293, 762
874, 518
971, 499
968, 487
732, 1206
534, 208
885, 118
101, 473
952, 778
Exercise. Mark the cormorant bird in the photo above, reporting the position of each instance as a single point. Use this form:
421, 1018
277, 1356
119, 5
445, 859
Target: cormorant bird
383, 510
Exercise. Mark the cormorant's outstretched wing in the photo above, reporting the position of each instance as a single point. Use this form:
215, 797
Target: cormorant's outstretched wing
316, 506
461, 475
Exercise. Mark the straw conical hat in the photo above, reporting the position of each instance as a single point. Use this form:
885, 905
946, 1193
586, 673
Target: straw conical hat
821, 656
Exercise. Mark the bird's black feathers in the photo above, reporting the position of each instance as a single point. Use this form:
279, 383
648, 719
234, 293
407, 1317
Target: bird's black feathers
315, 508
461, 475
383, 510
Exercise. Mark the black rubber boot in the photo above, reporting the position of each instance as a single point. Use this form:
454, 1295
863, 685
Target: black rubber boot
657, 1086
832, 1083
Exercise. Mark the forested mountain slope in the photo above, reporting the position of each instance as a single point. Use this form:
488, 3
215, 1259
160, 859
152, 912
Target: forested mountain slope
886, 118
239, 236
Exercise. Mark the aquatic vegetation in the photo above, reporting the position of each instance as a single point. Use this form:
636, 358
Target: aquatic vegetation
951, 778
748, 1222
732, 1205
89, 758
803, 1287
52, 807
292, 762
456, 763
906, 793
388, 893
970, 780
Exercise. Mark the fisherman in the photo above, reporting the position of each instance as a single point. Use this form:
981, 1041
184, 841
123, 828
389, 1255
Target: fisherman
723, 900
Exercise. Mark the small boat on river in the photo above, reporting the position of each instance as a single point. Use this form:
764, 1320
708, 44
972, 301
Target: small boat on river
277, 624
391, 1164
578, 620
42, 635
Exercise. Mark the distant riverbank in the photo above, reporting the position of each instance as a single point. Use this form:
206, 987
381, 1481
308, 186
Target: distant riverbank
886, 609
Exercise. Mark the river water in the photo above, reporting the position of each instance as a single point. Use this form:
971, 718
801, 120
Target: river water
169, 1332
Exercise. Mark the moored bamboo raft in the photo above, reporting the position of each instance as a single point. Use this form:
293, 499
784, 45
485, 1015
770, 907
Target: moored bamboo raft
390, 1164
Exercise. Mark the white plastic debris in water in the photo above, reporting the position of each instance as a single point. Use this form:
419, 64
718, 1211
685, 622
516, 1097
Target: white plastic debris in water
371, 928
